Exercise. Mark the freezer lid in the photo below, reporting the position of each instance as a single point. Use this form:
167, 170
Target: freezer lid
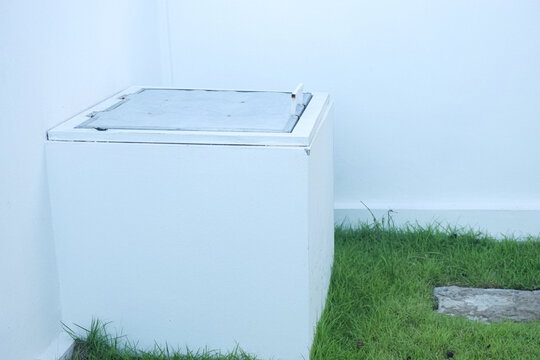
202, 110
159, 115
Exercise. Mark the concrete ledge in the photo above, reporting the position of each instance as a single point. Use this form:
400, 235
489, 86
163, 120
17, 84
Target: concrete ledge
61, 348
498, 223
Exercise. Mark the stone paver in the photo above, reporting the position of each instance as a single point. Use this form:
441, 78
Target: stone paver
488, 305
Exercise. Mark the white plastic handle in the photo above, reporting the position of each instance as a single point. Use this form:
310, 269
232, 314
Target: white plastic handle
297, 97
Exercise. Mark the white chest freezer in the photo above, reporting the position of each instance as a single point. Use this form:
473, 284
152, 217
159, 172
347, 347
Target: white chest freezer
199, 218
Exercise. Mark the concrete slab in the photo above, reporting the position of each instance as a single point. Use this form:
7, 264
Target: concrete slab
488, 305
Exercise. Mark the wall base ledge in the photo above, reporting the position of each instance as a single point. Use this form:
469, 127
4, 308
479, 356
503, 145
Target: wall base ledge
498, 223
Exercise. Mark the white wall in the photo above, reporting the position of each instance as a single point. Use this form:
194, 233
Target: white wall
437, 102
56, 58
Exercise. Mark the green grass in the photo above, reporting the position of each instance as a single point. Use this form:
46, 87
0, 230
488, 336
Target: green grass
380, 302
98, 344
382, 287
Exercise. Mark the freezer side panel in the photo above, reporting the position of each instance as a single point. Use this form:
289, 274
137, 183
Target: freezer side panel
321, 217
191, 245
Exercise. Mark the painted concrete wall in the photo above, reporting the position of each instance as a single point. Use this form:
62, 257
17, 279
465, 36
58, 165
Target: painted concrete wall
56, 58
437, 103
